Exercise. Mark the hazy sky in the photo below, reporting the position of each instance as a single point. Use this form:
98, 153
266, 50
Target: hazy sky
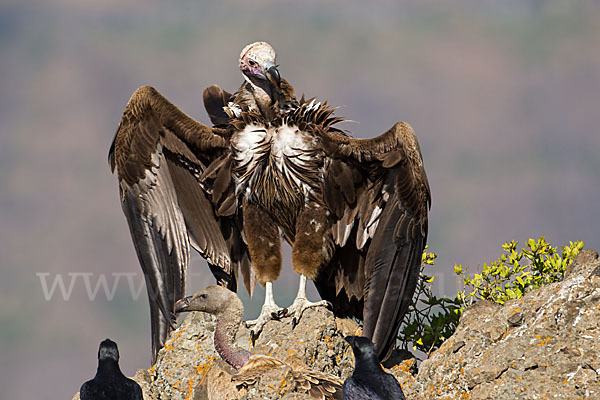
504, 99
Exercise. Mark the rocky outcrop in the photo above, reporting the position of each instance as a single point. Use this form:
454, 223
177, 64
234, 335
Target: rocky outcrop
182, 370
543, 346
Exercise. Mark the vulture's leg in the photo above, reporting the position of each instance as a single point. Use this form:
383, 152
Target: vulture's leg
301, 303
269, 311
313, 247
264, 245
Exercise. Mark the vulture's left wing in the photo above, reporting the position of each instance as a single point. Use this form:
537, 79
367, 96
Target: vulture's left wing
379, 195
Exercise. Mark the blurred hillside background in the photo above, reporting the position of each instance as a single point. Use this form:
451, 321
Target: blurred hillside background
504, 97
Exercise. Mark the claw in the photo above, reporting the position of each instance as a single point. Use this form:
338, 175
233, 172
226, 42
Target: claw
270, 311
300, 304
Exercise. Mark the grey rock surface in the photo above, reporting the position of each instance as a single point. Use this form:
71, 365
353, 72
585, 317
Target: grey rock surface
543, 346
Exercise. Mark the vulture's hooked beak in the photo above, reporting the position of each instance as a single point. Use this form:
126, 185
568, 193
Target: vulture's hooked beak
272, 75
183, 304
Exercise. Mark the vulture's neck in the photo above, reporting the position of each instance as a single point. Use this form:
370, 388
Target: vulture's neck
264, 96
228, 323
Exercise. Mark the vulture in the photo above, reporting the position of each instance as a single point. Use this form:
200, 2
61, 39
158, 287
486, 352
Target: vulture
228, 309
109, 382
273, 166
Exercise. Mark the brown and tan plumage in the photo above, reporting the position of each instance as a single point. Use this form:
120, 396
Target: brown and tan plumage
354, 210
251, 368
176, 189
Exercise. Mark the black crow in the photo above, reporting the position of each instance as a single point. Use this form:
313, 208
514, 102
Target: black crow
109, 382
369, 380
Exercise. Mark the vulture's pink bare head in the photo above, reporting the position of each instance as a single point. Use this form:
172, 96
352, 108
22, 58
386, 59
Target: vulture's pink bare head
257, 62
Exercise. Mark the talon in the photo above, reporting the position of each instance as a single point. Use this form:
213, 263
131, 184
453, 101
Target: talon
300, 304
282, 313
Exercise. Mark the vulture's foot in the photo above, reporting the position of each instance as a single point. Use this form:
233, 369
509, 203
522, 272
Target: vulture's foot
301, 304
267, 313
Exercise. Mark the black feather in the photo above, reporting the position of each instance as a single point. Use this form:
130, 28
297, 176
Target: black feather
109, 382
369, 381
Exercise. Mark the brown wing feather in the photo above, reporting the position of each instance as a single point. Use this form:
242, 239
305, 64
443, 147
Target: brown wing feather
380, 233
160, 153
215, 99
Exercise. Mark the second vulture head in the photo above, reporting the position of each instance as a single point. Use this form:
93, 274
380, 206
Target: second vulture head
213, 300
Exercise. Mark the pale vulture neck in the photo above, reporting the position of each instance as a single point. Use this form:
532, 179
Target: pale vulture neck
263, 96
228, 323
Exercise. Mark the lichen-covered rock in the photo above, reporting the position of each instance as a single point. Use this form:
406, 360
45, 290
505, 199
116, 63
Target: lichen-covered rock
182, 367
543, 346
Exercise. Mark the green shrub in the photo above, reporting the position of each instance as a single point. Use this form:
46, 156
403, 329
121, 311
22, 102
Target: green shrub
430, 320
516, 273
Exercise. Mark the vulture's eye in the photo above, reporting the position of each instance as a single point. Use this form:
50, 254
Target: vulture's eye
203, 296
252, 63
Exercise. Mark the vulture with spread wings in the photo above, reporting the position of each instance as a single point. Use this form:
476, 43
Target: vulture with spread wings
272, 166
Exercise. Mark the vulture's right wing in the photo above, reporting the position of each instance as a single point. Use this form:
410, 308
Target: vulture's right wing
176, 190
215, 99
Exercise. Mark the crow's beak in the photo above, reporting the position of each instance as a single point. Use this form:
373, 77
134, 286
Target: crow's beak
273, 76
183, 304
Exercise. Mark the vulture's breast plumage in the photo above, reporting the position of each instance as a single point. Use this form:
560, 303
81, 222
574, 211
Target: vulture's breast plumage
277, 167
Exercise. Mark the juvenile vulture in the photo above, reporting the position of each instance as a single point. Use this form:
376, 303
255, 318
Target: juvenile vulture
369, 381
354, 210
228, 309
109, 382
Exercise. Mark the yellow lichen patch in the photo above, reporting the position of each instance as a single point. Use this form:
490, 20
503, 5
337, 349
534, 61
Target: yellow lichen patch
202, 369
190, 388
542, 340
291, 352
168, 347
405, 367
283, 385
